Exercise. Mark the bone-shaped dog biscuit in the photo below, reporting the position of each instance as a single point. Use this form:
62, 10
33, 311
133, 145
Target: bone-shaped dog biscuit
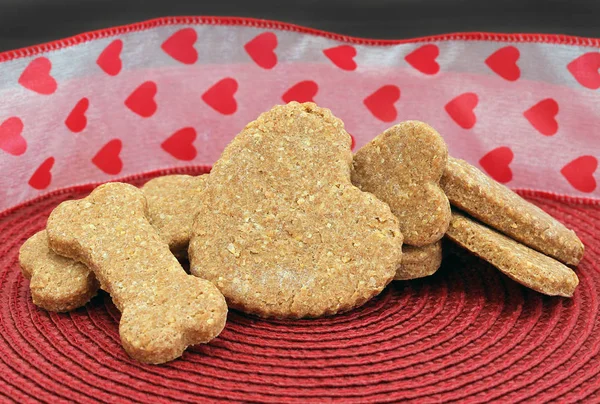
62, 284
172, 205
402, 167
56, 283
164, 310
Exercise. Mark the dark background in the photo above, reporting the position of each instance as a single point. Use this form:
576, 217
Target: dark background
29, 22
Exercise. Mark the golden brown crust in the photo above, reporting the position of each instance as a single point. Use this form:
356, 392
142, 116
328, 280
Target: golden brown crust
418, 262
402, 167
164, 310
497, 206
172, 205
281, 230
62, 284
57, 283
519, 262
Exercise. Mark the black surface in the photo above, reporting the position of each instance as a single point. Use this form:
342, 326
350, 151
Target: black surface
29, 22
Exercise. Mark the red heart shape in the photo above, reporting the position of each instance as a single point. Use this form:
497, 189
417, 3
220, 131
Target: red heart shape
110, 58
580, 173
42, 177
36, 77
542, 116
586, 70
342, 56
496, 164
180, 46
303, 91
461, 109
181, 144
107, 159
11, 140
503, 62
262, 50
381, 103
141, 100
76, 121
423, 59
220, 96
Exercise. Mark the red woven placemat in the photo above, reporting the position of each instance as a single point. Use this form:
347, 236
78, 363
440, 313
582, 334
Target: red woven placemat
467, 333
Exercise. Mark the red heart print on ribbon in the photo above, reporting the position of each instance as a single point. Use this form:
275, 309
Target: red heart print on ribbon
424, 59
107, 159
42, 177
141, 100
36, 77
110, 58
304, 91
543, 116
11, 140
461, 110
261, 49
586, 70
220, 96
580, 173
180, 46
381, 103
496, 164
503, 62
342, 56
77, 121
181, 144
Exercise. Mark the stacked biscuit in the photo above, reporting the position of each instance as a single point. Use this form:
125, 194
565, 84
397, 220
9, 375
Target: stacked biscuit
288, 224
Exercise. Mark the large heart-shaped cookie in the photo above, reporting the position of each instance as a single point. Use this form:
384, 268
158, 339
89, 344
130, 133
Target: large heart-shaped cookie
403, 167
281, 230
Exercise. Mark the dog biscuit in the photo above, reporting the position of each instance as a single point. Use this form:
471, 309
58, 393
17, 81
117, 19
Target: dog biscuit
497, 206
172, 205
419, 262
402, 167
56, 283
519, 262
62, 284
164, 310
281, 230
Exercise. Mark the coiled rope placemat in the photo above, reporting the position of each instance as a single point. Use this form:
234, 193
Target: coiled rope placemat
466, 334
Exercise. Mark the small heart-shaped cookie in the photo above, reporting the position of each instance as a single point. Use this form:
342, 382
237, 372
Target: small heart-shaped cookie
281, 231
402, 167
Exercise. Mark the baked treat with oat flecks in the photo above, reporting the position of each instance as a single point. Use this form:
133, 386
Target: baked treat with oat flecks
281, 230
494, 204
402, 167
164, 310
62, 284
56, 283
172, 205
519, 262
419, 262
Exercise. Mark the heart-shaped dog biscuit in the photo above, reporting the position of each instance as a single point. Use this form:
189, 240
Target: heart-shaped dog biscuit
402, 167
519, 262
469, 189
281, 230
164, 310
